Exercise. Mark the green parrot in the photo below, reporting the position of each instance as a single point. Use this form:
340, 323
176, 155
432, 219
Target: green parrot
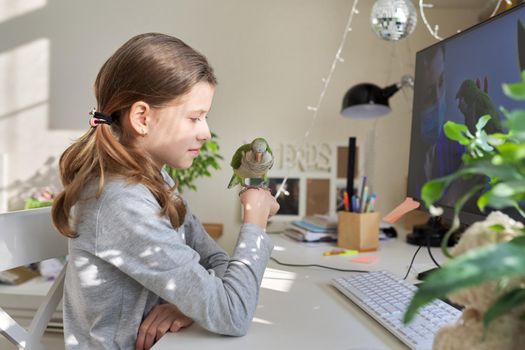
474, 103
251, 160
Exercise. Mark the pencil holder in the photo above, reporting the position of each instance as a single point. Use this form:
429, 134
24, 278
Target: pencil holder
359, 231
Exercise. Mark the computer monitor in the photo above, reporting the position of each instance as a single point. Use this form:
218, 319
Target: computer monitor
459, 79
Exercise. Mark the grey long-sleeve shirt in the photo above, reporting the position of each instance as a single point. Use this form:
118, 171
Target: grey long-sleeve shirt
127, 258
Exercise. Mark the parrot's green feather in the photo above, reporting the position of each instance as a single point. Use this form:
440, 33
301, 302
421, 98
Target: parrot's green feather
237, 156
269, 150
234, 181
247, 167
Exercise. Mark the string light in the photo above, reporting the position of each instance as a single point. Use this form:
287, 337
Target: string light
326, 82
338, 58
509, 3
434, 32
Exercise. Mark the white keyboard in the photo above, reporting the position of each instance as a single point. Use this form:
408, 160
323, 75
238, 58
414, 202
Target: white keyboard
385, 297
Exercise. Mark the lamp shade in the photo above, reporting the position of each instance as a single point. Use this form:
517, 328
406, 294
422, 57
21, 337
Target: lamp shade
367, 100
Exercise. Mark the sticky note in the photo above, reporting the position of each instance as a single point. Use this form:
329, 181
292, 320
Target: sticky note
366, 259
340, 252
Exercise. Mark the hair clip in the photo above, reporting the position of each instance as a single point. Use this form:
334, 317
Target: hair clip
97, 118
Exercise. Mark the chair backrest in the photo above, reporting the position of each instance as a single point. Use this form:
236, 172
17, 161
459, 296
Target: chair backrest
26, 237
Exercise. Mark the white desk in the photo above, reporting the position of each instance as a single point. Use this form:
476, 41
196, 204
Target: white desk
299, 309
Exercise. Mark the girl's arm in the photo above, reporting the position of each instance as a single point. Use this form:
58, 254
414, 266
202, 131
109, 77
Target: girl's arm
155, 255
212, 256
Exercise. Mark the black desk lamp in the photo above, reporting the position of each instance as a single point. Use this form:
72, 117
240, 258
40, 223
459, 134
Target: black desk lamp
367, 100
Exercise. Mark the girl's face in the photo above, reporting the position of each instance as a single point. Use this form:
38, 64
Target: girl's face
177, 131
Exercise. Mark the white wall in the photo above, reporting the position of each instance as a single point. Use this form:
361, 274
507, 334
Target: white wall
269, 57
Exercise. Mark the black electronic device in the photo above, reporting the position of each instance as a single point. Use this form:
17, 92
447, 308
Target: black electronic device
350, 168
459, 79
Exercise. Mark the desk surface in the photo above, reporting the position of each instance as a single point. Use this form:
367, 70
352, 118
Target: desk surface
299, 309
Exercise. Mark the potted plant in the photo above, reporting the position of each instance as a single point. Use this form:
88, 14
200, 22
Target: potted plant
487, 271
207, 159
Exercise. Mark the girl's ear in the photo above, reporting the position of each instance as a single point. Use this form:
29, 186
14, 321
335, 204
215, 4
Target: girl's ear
140, 117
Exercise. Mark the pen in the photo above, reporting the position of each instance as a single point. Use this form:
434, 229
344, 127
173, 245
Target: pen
361, 192
371, 203
346, 201
364, 198
355, 206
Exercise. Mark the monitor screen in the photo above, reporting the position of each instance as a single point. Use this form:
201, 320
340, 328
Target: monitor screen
459, 79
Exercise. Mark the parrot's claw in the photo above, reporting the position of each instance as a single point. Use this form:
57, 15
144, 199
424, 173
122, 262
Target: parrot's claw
258, 187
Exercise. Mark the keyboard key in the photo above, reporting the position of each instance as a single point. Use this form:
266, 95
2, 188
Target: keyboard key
385, 297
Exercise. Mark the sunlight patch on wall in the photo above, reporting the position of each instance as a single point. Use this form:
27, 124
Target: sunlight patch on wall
25, 77
278, 280
10, 9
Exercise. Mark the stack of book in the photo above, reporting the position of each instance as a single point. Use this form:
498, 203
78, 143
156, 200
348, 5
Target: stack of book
317, 228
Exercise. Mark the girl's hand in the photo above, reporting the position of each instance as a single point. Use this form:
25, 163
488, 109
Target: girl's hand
259, 205
161, 319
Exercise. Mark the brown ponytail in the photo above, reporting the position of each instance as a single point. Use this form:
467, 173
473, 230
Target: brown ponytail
154, 68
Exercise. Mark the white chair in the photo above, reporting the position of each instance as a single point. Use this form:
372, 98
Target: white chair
26, 237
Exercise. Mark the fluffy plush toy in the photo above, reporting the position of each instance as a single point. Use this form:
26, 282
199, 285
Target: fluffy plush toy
505, 332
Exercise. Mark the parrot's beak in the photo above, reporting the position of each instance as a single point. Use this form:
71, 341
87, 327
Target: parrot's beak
258, 156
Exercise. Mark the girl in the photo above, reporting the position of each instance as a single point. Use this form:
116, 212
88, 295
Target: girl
140, 264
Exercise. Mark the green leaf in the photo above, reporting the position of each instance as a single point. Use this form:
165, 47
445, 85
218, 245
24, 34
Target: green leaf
213, 147
504, 304
474, 267
482, 141
497, 228
433, 189
519, 240
457, 132
515, 121
482, 121
497, 138
483, 200
485, 167
502, 195
515, 91
509, 188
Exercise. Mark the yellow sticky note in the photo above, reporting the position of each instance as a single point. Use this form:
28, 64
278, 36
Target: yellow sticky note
350, 252
340, 252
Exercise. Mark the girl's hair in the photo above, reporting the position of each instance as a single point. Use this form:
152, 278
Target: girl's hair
154, 68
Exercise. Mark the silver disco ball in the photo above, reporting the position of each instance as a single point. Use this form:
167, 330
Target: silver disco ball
393, 20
